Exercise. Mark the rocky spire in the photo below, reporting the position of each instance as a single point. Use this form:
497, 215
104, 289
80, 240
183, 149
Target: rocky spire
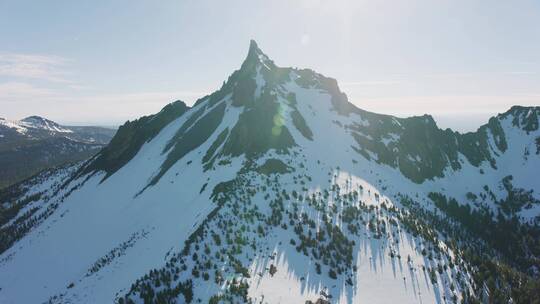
256, 56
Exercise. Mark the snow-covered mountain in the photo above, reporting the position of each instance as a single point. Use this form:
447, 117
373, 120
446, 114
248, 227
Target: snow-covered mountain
276, 189
36, 127
35, 143
39, 123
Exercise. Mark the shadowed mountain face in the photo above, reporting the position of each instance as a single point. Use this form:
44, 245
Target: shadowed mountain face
276, 189
35, 143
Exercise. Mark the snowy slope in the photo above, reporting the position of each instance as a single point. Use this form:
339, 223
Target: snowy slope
273, 189
31, 123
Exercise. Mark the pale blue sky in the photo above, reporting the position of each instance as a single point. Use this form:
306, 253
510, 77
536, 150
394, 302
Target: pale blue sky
103, 62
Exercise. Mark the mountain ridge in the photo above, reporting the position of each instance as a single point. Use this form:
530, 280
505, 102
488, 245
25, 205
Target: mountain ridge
253, 62
276, 189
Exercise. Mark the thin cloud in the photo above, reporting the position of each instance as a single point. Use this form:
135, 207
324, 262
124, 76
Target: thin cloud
369, 83
446, 104
19, 91
19, 100
146, 97
30, 66
522, 73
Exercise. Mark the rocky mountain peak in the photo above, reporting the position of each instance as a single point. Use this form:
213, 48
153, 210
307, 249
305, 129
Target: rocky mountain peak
38, 122
256, 57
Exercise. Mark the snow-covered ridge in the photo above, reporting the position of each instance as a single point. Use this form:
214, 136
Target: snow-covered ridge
42, 123
273, 189
33, 122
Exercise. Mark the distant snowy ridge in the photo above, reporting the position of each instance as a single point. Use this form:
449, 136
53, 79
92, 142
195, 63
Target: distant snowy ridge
34, 122
36, 143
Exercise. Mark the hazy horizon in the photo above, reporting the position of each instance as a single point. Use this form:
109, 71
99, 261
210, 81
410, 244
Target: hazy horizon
457, 122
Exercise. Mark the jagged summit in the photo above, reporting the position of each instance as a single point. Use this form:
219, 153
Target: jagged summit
269, 112
254, 48
256, 56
